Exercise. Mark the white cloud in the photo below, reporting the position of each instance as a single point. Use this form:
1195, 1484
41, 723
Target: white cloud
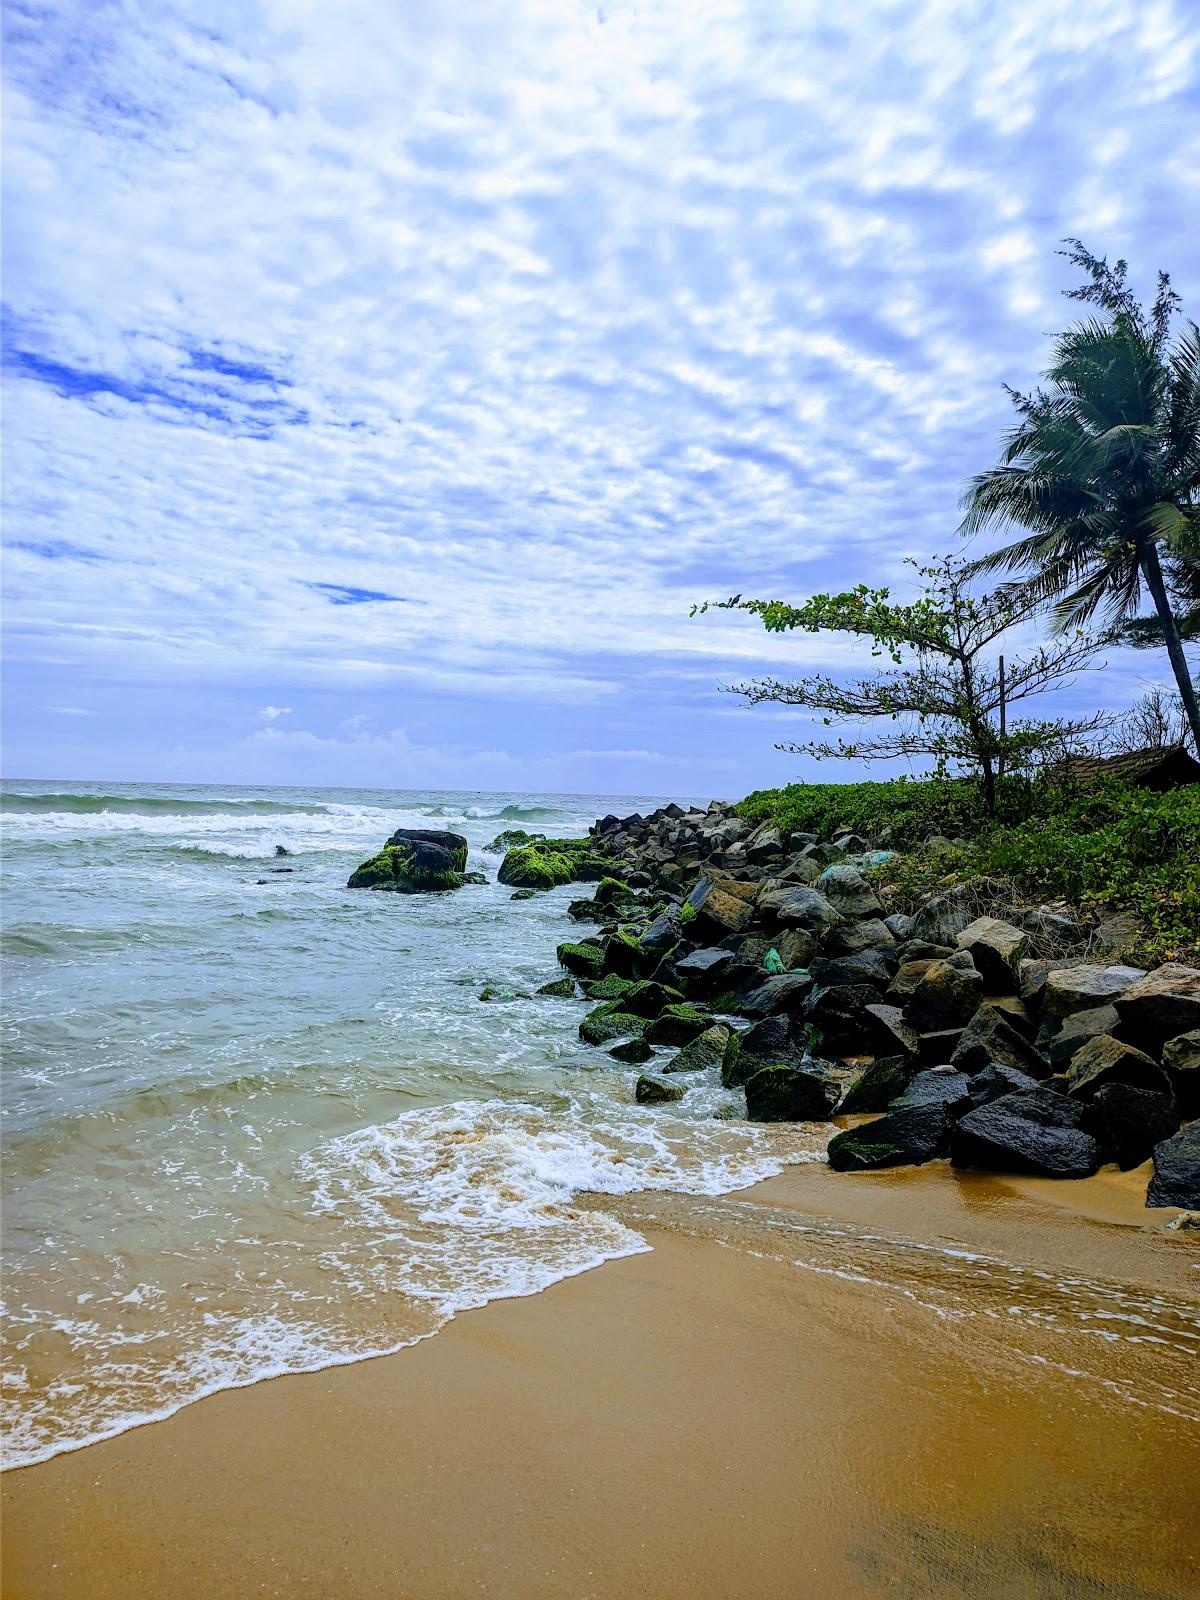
547, 327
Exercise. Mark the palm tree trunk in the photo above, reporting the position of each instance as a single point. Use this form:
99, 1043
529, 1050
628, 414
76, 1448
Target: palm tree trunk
1152, 572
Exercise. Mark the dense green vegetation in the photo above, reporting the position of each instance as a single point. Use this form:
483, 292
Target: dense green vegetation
1102, 850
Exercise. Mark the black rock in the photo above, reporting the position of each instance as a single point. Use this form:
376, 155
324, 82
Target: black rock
1176, 1180
907, 1136
656, 1091
784, 1093
784, 993
996, 1080
634, 1051
936, 1086
1033, 1130
840, 1013
1130, 1122
878, 1085
865, 966
992, 1036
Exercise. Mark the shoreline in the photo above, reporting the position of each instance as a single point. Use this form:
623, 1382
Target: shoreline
706, 1418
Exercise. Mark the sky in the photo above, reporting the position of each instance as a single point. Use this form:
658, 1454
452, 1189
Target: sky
384, 382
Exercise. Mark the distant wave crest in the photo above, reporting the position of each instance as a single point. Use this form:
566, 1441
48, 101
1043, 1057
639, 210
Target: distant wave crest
150, 805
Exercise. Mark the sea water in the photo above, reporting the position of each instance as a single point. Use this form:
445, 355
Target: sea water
256, 1123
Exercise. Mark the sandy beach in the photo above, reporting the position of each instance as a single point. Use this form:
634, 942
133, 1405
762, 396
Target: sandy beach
918, 1383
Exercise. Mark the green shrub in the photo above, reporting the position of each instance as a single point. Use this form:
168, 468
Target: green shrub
1103, 849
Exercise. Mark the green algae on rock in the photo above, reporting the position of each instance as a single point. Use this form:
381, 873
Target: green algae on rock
415, 861
549, 863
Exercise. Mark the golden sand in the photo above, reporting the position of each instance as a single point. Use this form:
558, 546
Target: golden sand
898, 1385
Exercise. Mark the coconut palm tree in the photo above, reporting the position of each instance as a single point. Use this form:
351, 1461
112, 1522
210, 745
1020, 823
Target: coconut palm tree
1103, 469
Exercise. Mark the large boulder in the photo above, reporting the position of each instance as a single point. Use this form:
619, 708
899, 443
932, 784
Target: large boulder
584, 960
1181, 1063
1031, 1131
657, 1091
781, 1092
992, 1036
625, 955
1105, 1060
942, 919
796, 947
1161, 1005
995, 947
770, 1040
786, 992
549, 863
887, 1031
1073, 1032
800, 908
849, 893
677, 1025
878, 1085
1176, 1180
936, 1086
648, 999
631, 1052
1129, 1122
663, 933
606, 1022
1078, 988
840, 1014
853, 938
706, 1050
415, 861
703, 970
714, 910
947, 995
868, 966
907, 1136
995, 1081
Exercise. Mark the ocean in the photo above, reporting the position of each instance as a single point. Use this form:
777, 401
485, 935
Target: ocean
256, 1123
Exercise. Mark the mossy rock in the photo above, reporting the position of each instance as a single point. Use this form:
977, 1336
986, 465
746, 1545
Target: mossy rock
609, 1022
633, 1052
878, 1085
657, 1091
610, 988
782, 1093
677, 1025
705, 1050
550, 863
510, 839
624, 955
584, 960
489, 992
408, 868
559, 989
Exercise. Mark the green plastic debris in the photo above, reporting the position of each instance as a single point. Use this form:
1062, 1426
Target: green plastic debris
773, 962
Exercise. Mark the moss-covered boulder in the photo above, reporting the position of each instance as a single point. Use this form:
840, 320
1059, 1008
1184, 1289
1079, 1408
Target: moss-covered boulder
549, 863
782, 1093
559, 989
510, 839
609, 988
625, 955
610, 1022
657, 1091
415, 861
677, 1025
584, 960
632, 1052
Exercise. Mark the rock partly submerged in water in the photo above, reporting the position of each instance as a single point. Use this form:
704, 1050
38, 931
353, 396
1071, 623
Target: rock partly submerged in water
550, 863
415, 861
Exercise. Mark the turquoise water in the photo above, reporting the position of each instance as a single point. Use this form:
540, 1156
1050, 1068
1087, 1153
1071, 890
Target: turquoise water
255, 1123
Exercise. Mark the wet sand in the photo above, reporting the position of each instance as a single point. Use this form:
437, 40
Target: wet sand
909, 1384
